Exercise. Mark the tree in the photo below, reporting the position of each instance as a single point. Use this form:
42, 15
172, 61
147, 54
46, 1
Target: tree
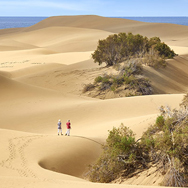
120, 47
117, 48
108, 51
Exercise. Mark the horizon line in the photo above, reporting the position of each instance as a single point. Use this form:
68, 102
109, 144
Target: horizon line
101, 16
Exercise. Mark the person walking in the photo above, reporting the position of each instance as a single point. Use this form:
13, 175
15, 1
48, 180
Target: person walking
59, 127
68, 128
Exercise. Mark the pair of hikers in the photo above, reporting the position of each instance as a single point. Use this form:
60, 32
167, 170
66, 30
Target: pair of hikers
68, 124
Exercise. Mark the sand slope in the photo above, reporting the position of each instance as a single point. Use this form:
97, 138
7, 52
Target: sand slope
43, 69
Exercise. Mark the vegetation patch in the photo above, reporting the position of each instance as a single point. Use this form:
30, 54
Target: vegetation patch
128, 81
133, 51
121, 47
164, 145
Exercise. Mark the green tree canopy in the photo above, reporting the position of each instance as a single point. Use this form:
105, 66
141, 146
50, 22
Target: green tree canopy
120, 47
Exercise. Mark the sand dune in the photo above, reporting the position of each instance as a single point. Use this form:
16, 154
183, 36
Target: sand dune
28, 105
172, 32
10, 45
181, 50
61, 39
43, 69
82, 21
172, 79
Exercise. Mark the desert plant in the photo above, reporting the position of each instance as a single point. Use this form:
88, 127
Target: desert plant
120, 153
98, 79
164, 50
184, 102
164, 144
167, 143
132, 66
127, 76
88, 87
120, 47
160, 121
108, 51
153, 59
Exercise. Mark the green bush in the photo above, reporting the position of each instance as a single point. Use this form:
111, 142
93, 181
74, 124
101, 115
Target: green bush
117, 80
164, 50
113, 88
105, 86
160, 122
127, 80
167, 142
120, 153
120, 47
127, 77
184, 102
164, 144
105, 80
98, 79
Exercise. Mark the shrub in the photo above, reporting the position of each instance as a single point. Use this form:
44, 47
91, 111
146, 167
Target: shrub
88, 87
185, 101
153, 59
153, 41
105, 80
165, 144
160, 121
144, 87
98, 79
105, 85
120, 47
118, 80
108, 51
113, 88
133, 66
127, 80
127, 77
164, 50
120, 153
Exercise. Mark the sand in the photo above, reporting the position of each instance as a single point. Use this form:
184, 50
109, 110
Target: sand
43, 69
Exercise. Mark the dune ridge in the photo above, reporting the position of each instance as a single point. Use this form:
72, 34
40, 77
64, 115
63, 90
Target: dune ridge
43, 69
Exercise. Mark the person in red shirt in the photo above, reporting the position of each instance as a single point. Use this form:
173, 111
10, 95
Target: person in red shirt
68, 128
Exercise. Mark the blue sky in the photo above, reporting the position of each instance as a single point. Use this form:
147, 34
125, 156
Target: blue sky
116, 8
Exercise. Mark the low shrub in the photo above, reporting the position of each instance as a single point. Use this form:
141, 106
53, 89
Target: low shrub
119, 154
184, 102
105, 85
88, 87
160, 121
164, 144
128, 77
153, 59
98, 79
164, 50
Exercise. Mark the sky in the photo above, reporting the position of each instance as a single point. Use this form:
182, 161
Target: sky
107, 8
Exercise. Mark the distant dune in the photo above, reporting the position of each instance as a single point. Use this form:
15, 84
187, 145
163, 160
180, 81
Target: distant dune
43, 69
